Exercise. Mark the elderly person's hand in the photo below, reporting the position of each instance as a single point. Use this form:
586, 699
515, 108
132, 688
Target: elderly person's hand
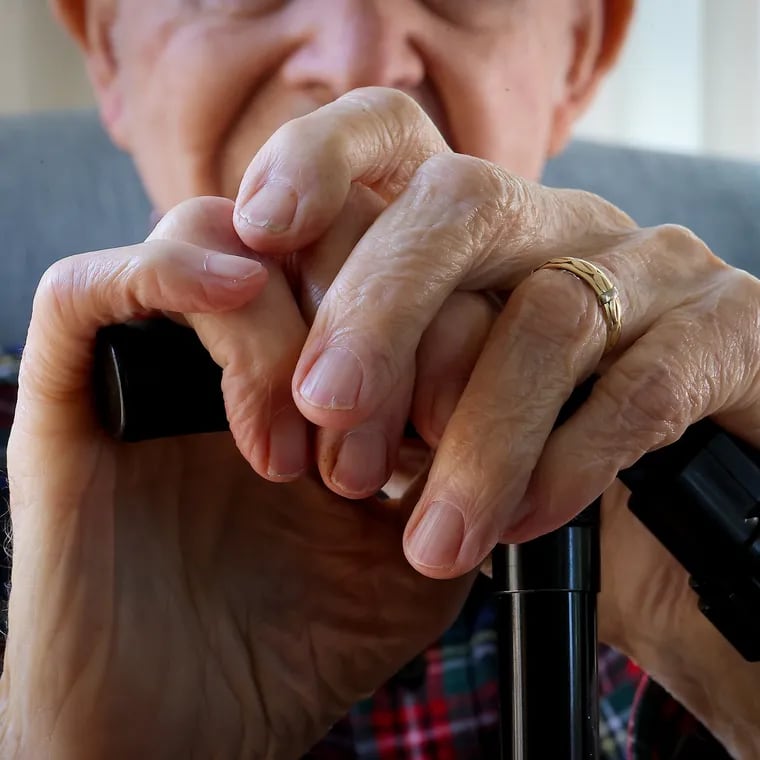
225, 613
168, 601
487, 403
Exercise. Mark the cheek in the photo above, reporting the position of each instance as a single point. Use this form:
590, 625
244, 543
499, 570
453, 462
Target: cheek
505, 115
519, 125
184, 96
508, 126
501, 93
202, 95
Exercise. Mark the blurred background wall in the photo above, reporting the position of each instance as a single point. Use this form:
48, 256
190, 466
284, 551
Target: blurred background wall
689, 79
39, 66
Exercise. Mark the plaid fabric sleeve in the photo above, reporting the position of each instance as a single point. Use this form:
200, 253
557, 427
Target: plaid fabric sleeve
661, 729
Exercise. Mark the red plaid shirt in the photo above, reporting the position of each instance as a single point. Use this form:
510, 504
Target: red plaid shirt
444, 704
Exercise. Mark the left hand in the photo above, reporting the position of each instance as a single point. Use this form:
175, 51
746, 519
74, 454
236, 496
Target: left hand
457, 224
396, 324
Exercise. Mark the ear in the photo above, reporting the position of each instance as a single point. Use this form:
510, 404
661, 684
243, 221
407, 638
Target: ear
90, 23
599, 32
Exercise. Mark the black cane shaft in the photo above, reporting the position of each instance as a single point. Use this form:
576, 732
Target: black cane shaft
548, 675
547, 629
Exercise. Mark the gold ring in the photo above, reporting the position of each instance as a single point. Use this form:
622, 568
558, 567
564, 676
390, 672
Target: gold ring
607, 294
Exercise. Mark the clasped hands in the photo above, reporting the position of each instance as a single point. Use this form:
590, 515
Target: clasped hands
168, 598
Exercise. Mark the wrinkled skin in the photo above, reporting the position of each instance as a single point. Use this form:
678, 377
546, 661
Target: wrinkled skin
225, 652
167, 580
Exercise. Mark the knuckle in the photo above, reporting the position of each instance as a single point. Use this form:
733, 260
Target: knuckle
742, 302
60, 286
652, 403
378, 290
385, 100
467, 178
395, 114
94, 284
401, 129
681, 241
518, 213
557, 309
56, 278
478, 196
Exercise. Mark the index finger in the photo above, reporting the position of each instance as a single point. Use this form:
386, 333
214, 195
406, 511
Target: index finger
299, 181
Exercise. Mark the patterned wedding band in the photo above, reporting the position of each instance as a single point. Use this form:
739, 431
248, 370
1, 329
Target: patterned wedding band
606, 293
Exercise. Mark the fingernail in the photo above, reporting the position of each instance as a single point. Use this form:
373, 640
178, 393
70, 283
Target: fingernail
272, 208
231, 267
288, 444
437, 539
362, 464
444, 404
335, 380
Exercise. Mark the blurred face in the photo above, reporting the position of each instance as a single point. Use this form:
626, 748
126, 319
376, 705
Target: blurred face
199, 85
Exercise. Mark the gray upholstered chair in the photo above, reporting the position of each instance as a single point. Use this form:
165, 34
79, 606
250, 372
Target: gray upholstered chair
64, 189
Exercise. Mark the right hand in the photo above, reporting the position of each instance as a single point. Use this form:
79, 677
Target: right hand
168, 600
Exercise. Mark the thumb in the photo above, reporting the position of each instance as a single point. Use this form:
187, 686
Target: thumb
80, 294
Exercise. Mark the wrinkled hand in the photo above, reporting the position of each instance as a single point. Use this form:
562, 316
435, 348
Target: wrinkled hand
460, 224
486, 399
168, 601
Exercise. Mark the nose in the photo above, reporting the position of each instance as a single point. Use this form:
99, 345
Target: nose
354, 43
